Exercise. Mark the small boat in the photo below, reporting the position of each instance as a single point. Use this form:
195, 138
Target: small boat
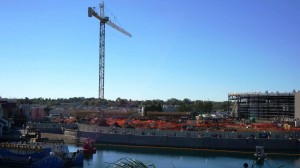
260, 154
88, 147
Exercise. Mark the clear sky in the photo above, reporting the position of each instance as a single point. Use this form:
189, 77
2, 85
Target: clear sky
196, 49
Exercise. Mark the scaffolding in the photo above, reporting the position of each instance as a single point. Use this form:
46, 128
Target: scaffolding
265, 106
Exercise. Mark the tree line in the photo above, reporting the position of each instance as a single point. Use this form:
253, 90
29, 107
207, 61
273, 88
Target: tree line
185, 105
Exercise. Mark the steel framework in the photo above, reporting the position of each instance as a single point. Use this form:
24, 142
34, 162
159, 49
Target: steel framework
265, 106
101, 52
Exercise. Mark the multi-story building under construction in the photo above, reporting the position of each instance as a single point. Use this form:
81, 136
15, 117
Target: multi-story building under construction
266, 106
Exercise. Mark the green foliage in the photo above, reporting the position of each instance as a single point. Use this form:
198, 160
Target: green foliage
121, 102
223, 106
154, 107
128, 163
203, 106
185, 105
173, 101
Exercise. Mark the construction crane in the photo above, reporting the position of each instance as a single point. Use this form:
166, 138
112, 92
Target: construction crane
103, 20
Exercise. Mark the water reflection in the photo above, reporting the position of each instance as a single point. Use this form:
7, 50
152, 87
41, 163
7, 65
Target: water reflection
170, 158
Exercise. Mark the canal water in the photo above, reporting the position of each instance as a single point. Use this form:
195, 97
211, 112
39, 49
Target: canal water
186, 158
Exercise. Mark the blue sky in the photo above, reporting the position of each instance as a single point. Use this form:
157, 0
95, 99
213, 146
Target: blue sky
196, 49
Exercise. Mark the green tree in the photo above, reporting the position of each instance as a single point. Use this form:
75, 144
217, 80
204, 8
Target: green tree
207, 106
198, 106
86, 103
121, 102
173, 101
27, 101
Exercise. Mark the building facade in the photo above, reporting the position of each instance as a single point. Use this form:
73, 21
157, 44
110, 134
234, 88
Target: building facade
170, 108
7, 108
33, 112
267, 106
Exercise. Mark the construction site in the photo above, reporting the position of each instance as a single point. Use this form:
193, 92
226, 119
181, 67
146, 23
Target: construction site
275, 108
266, 106
250, 116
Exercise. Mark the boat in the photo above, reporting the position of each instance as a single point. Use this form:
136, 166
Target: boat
88, 147
39, 154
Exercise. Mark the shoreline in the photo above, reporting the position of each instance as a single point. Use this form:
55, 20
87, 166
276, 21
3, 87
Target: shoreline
71, 140
77, 141
239, 141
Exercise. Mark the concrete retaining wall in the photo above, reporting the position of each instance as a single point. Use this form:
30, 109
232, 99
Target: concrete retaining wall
190, 139
184, 142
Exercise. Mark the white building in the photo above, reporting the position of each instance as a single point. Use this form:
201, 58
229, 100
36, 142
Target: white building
141, 110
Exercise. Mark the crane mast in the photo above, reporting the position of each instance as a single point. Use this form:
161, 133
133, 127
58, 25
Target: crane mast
101, 52
103, 20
